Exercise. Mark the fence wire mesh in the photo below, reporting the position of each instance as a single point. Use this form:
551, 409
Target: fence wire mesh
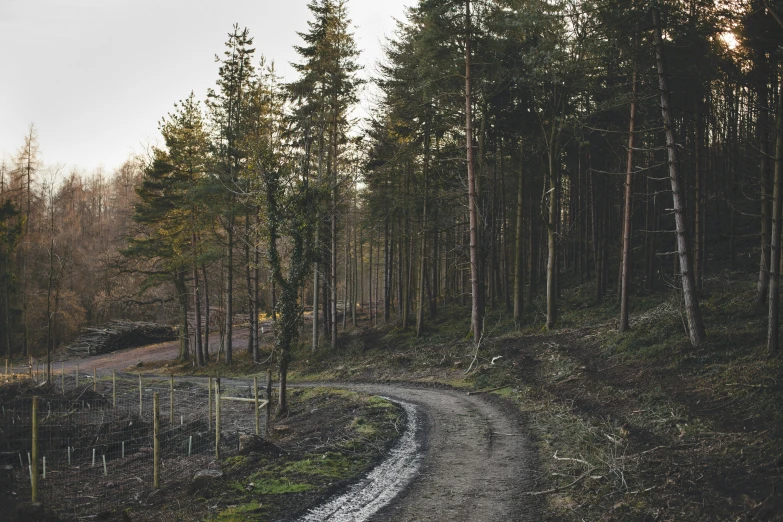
95, 438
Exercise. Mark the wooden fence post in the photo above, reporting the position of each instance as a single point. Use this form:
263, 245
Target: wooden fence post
34, 461
217, 418
76, 376
141, 412
171, 399
268, 411
113, 388
255, 390
94, 379
62, 377
156, 441
209, 401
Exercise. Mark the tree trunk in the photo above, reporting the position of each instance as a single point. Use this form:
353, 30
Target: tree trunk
626, 273
698, 203
256, 295
551, 229
518, 250
229, 308
346, 277
316, 290
196, 297
248, 283
690, 295
532, 254
763, 100
472, 196
182, 297
422, 260
777, 223
206, 313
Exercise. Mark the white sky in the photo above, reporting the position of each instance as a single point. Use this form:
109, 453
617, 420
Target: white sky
96, 76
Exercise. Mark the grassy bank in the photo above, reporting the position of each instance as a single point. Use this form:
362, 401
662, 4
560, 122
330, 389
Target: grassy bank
635, 426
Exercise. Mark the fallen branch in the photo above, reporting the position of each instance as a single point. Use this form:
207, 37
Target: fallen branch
572, 460
559, 488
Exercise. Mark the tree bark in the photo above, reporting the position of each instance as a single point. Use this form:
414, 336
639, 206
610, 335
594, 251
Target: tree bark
472, 196
196, 296
551, 229
777, 223
698, 203
316, 290
518, 250
690, 295
422, 250
626, 274
206, 312
182, 297
229, 328
762, 121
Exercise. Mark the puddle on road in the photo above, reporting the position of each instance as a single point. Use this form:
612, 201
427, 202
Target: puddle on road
382, 484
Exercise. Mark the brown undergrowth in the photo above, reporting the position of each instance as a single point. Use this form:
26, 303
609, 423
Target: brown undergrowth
634, 426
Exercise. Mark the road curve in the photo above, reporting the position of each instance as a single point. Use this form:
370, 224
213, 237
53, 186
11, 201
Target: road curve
476, 464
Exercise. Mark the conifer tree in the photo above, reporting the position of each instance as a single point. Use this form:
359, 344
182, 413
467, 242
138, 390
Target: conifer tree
229, 112
322, 96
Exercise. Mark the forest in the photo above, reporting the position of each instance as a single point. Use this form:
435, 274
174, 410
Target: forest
516, 149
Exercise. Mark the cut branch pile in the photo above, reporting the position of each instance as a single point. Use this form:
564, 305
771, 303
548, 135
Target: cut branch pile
118, 335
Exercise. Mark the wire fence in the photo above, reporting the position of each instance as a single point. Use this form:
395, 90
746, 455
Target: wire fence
84, 445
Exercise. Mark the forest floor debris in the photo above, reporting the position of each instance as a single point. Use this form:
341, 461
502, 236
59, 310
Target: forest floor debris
636, 426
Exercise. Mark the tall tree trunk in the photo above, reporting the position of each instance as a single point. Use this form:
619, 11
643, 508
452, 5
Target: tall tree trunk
248, 282
626, 277
206, 312
532, 254
346, 277
698, 203
690, 294
256, 295
229, 305
316, 289
196, 296
518, 250
422, 258
388, 255
551, 228
777, 223
333, 277
369, 285
762, 122
476, 320
182, 297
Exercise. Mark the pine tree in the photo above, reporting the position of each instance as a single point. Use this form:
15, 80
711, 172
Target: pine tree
229, 112
322, 97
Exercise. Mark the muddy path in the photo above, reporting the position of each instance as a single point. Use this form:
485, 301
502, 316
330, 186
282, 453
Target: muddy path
472, 460
476, 464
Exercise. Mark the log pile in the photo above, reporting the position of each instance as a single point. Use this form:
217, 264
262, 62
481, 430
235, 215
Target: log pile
118, 335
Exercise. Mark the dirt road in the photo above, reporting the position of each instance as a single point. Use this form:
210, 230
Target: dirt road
476, 463
473, 462
123, 359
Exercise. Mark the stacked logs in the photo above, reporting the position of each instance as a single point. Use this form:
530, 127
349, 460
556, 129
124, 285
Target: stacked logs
118, 335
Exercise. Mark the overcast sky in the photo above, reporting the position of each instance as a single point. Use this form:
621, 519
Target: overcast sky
95, 76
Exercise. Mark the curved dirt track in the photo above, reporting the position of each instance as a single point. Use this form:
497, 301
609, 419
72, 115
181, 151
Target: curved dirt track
476, 464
